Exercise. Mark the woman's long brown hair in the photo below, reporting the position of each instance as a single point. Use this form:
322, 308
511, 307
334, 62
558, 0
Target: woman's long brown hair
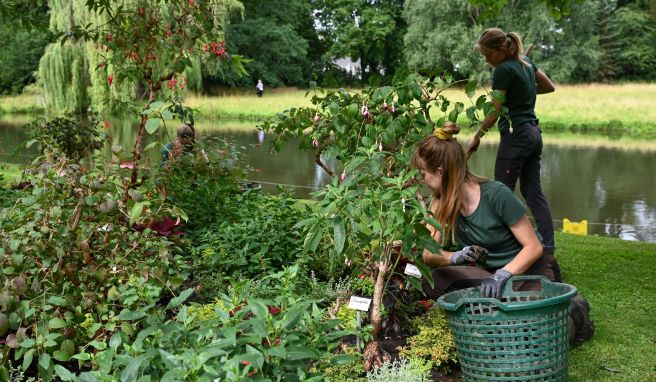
433, 153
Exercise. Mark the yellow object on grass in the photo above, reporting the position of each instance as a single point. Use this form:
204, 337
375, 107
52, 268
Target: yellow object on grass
576, 228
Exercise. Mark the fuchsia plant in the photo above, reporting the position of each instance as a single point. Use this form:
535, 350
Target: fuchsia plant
373, 204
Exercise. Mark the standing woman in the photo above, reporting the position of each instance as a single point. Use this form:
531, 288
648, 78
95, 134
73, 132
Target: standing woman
520, 147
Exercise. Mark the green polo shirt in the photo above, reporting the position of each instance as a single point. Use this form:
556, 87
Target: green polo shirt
489, 225
518, 80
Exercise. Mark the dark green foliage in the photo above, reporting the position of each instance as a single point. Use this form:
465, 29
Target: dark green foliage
256, 239
20, 52
249, 339
205, 188
75, 137
369, 31
629, 43
280, 40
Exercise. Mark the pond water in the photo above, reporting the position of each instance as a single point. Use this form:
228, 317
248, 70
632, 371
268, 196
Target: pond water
614, 189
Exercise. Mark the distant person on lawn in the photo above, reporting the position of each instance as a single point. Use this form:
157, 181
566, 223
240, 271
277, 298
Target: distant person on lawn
260, 88
489, 221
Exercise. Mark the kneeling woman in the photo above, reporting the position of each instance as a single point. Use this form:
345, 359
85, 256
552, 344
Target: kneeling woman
476, 212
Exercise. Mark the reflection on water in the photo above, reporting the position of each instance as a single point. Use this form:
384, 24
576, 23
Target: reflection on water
612, 189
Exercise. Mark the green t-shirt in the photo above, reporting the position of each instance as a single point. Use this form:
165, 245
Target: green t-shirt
489, 225
518, 80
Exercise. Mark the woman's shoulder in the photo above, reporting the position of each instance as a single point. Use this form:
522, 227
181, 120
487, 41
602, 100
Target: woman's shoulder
493, 190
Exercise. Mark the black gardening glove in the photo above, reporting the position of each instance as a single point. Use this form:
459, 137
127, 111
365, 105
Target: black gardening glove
493, 285
469, 254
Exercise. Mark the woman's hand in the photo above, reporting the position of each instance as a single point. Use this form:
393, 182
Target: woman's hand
473, 145
469, 254
493, 285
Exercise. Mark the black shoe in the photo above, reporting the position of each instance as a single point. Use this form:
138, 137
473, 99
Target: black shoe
579, 311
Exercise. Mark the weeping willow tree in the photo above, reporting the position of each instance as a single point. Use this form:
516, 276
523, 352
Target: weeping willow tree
75, 74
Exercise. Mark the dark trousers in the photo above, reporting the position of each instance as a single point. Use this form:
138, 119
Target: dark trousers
519, 158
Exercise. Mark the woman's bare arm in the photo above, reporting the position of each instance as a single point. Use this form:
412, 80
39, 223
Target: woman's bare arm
531, 247
543, 84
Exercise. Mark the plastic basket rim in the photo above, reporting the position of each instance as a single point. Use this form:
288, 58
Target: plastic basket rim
523, 305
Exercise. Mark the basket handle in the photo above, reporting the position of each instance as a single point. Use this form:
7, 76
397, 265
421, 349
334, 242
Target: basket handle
509, 285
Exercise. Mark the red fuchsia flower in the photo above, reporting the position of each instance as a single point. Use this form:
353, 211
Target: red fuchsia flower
110, 79
362, 276
110, 37
192, 3
315, 142
426, 304
107, 124
141, 11
172, 82
245, 363
273, 310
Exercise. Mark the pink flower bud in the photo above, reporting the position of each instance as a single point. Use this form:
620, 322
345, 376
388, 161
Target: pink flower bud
315, 142
384, 105
392, 108
315, 119
364, 110
343, 176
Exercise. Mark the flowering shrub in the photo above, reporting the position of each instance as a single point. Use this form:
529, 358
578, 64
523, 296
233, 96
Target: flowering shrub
72, 258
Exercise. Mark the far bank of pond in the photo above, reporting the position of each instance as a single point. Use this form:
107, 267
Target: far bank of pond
609, 181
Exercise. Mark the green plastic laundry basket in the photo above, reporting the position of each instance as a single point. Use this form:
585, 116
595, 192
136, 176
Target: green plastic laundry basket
524, 336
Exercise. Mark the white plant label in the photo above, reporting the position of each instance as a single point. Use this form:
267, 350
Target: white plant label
412, 270
359, 303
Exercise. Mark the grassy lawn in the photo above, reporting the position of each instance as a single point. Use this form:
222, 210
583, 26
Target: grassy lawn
9, 173
622, 109
617, 277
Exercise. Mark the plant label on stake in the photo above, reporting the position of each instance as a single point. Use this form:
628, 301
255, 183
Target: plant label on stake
412, 270
359, 304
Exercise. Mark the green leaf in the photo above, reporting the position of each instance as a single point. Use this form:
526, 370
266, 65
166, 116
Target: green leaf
150, 146
128, 315
258, 308
294, 314
45, 361
115, 341
98, 345
480, 102
64, 374
135, 213
179, 299
342, 359
339, 234
498, 96
301, 352
27, 359
56, 323
470, 88
152, 125
131, 371
61, 356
